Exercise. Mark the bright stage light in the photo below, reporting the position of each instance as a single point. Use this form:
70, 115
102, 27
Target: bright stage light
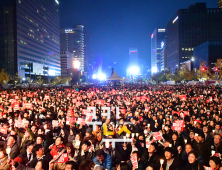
134, 70
94, 76
76, 64
51, 73
154, 70
101, 76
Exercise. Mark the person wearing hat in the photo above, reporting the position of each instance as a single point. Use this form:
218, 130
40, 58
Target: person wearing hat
86, 152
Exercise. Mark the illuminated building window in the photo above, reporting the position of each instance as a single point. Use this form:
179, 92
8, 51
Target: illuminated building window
37, 10
183, 49
19, 1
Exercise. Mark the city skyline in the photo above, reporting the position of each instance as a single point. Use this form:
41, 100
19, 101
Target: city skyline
115, 26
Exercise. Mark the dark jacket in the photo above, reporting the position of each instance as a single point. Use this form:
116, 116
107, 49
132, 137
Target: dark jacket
87, 155
46, 159
140, 165
204, 150
14, 151
174, 166
195, 166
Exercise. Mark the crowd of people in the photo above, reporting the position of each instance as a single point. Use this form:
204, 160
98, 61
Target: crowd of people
161, 127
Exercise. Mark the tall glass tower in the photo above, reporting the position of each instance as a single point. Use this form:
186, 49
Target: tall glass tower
30, 37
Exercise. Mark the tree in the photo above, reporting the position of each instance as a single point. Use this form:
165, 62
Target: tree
204, 71
4, 77
56, 80
187, 74
40, 80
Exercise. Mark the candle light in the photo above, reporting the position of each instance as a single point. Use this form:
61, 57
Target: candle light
148, 125
185, 141
107, 144
133, 135
212, 152
213, 131
170, 145
137, 134
161, 162
8, 151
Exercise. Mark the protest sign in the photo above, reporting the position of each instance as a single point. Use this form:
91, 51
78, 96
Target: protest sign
134, 161
157, 136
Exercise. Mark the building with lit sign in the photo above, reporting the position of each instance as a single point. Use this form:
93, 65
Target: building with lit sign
29, 37
157, 38
72, 40
189, 28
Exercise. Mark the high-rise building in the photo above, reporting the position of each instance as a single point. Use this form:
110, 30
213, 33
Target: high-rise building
66, 62
157, 37
189, 28
72, 40
207, 52
219, 3
29, 37
163, 56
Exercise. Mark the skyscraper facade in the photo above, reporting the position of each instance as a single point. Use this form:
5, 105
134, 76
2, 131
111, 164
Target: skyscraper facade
72, 40
189, 28
66, 62
30, 40
157, 37
219, 3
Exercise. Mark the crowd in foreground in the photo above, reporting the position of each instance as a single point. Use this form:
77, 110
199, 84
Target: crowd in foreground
169, 128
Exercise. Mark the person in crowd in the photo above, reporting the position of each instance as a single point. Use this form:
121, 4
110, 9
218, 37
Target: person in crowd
12, 144
193, 162
86, 151
40, 156
151, 113
103, 159
4, 160
123, 166
26, 156
214, 162
139, 162
170, 162
217, 143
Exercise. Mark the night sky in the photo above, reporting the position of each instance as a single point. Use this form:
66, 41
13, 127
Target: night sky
113, 26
